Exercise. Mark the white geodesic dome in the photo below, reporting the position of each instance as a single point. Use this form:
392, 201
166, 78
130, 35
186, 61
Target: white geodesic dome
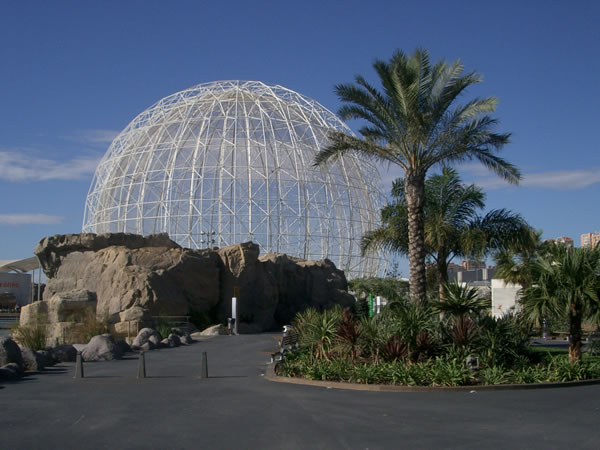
232, 161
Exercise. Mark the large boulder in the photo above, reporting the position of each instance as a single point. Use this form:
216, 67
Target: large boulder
10, 353
101, 348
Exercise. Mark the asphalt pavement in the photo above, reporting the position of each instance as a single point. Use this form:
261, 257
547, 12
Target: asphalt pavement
237, 408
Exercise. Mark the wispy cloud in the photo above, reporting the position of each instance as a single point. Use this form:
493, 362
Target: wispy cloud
559, 180
18, 166
480, 175
93, 136
30, 219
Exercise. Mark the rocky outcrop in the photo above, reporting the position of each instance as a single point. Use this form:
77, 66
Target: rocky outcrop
69, 313
127, 279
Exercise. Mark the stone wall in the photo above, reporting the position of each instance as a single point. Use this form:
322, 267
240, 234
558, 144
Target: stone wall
132, 278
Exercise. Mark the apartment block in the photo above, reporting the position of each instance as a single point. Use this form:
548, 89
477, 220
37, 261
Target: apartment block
590, 239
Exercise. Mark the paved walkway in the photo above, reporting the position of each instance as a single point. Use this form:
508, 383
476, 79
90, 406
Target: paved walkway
237, 408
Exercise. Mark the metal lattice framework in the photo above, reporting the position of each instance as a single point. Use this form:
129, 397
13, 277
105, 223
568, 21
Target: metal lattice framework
232, 161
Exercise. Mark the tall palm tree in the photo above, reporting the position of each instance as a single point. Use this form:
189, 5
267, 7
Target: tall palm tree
452, 226
413, 122
566, 283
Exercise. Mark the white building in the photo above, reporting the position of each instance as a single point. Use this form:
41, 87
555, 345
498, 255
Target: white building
504, 297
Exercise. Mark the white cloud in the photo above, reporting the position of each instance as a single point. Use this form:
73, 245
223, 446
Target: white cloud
94, 136
30, 219
559, 180
18, 166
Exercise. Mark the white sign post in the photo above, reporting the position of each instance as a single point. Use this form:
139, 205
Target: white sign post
378, 300
234, 314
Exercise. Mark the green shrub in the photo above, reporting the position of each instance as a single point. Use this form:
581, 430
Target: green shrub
494, 375
201, 320
31, 336
163, 326
500, 342
318, 331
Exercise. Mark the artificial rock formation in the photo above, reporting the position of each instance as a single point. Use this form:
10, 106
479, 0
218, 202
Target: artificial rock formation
127, 279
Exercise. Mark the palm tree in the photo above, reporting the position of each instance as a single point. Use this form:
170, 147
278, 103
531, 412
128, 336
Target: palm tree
412, 123
461, 301
566, 283
452, 226
515, 258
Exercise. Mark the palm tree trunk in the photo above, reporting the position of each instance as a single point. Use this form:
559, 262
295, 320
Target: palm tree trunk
442, 267
575, 319
414, 186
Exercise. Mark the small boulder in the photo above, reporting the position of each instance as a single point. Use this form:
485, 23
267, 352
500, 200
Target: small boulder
10, 353
215, 330
32, 362
123, 346
10, 371
186, 339
144, 336
155, 339
175, 341
101, 348
146, 347
46, 357
64, 353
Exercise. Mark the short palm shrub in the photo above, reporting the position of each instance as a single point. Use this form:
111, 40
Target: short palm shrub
500, 342
318, 331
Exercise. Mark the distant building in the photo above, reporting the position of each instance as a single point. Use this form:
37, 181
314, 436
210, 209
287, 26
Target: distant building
452, 268
470, 271
565, 240
589, 240
472, 264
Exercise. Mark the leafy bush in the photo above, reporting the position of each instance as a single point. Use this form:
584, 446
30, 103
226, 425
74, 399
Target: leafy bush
348, 336
500, 342
415, 325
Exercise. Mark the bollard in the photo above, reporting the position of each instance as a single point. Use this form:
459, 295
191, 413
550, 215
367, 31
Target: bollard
78, 366
204, 367
142, 365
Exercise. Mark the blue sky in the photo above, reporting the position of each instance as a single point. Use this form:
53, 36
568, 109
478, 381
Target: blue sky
73, 74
